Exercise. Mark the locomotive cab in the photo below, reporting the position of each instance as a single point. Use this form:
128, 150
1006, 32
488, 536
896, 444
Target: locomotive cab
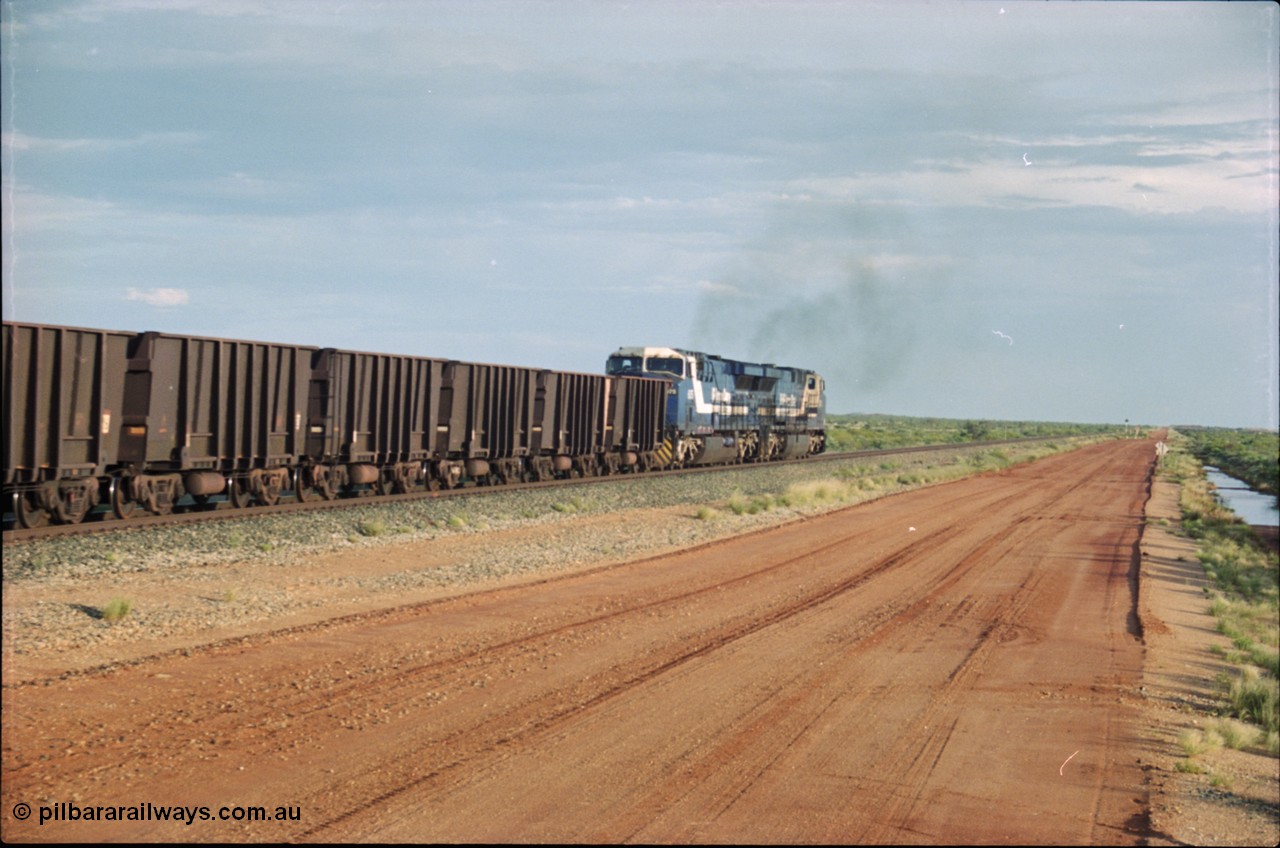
661, 362
815, 399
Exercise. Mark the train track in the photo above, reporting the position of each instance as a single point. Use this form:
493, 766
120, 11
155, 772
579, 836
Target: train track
103, 522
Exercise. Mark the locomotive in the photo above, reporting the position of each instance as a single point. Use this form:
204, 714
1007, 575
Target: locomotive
133, 421
722, 410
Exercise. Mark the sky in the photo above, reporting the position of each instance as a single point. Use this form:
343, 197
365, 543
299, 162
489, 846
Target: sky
1050, 211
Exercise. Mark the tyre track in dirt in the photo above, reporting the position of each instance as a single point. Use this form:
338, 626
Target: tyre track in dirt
342, 686
315, 699
657, 700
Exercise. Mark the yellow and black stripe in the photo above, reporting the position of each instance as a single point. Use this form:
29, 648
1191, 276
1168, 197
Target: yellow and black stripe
665, 451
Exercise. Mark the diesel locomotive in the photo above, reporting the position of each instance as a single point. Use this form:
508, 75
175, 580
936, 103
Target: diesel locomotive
153, 421
722, 410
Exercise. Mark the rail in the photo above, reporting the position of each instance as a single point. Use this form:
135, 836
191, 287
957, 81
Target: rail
102, 521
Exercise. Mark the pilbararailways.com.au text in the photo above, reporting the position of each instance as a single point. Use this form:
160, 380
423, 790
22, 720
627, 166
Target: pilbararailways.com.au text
69, 811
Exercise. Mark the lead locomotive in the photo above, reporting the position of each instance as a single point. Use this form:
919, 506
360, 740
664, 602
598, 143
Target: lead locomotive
721, 410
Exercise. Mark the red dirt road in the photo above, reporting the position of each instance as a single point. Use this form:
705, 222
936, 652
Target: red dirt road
956, 664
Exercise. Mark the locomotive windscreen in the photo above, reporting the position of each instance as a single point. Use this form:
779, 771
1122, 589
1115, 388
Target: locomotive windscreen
627, 364
664, 365
624, 365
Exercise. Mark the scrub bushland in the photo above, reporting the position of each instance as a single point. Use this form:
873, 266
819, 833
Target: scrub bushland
1249, 455
1244, 595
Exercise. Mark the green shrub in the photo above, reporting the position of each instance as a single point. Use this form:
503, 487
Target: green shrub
1193, 742
571, 506
1233, 735
117, 609
371, 528
1256, 699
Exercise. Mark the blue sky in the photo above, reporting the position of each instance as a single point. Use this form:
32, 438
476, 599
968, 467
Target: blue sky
1010, 210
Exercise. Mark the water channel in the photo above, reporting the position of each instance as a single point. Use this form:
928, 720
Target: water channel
1252, 507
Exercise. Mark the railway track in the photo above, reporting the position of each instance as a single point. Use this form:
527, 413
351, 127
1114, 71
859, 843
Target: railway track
102, 520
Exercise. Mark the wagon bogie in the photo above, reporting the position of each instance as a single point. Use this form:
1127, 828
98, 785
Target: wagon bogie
158, 494
316, 482
74, 500
267, 484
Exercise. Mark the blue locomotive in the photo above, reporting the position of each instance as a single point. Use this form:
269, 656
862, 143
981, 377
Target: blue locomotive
722, 410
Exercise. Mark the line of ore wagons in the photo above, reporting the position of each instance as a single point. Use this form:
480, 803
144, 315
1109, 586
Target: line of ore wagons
138, 420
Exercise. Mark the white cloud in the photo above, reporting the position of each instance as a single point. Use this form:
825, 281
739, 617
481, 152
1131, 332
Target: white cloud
16, 141
244, 186
159, 297
911, 262
1189, 187
717, 288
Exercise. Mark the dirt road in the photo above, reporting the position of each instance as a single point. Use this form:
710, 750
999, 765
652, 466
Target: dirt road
956, 664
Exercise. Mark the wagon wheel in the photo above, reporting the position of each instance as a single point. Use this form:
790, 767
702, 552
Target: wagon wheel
121, 504
301, 490
27, 513
237, 494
